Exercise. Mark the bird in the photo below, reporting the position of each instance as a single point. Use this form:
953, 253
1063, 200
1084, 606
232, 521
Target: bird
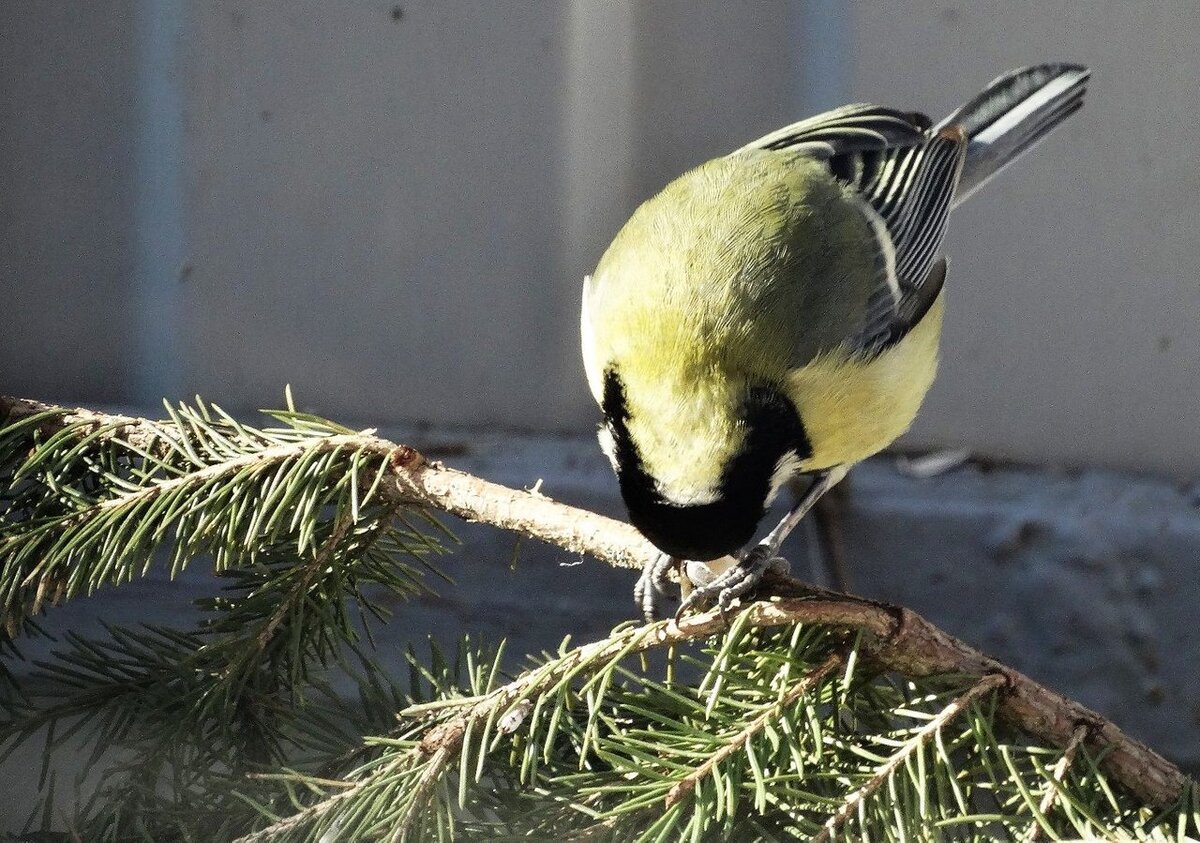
773, 316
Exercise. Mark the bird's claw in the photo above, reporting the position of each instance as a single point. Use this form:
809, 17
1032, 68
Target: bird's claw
652, 584
736, 581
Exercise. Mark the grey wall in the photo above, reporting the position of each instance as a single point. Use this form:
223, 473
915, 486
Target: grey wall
1071, 328
374, 209
385, 213
393, 211
67, 79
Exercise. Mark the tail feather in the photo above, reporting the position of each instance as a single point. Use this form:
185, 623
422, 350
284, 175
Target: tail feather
1012, 114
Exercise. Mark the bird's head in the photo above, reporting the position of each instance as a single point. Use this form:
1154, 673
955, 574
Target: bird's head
697, 475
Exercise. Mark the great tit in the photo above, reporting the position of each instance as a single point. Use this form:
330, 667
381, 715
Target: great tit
776, 313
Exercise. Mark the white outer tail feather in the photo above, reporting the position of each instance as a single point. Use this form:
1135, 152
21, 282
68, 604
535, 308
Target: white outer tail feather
995, 141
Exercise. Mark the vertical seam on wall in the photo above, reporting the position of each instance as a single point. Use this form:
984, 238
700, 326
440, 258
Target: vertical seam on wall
158, 215
824, 61
597, 144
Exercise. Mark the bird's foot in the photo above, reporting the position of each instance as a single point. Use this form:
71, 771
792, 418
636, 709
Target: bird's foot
736, 581
652, 585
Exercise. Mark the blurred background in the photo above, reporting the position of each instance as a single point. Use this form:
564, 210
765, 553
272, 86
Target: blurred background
391, 207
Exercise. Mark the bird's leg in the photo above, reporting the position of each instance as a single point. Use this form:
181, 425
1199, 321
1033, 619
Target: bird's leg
764, 556
827, 517
653, 583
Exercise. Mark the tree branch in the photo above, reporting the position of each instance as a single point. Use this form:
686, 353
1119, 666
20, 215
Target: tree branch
414, 480
913, 744
900, 640
772, 712
1057, 774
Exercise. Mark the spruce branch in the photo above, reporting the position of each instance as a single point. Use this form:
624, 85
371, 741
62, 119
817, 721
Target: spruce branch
88, 499
764, 724
914, 744
462, 730
1053, 786
297, 510
754, 727
411, 480
290, 515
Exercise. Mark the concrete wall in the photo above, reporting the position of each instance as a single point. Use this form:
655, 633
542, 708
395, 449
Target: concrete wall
1071, 328
399, 212
390, 207
375, 210
67, 115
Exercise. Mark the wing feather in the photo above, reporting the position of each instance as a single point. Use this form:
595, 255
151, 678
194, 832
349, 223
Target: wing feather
910, 189
905, 176
851, 128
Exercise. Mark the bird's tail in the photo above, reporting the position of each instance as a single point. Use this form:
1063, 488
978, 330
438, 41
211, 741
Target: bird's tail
1012, 114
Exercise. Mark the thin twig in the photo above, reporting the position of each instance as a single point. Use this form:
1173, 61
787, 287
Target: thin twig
323, 807
321, 559
1060, 771
430, 776
913, 744
809, 681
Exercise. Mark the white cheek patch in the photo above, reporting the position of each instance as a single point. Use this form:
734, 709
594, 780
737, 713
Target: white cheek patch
787, 468
587, 336
608, 445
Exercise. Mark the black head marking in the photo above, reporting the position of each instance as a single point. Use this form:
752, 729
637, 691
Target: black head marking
710, 530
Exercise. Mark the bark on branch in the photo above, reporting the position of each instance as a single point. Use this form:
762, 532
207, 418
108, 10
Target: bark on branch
900, 639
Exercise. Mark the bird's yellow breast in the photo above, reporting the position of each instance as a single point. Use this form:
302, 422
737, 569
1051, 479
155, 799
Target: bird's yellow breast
853, 407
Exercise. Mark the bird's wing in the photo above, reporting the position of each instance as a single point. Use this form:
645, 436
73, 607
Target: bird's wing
847, 130
906, 196
904, 177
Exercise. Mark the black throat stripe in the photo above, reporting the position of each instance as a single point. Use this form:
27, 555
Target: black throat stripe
707, 531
